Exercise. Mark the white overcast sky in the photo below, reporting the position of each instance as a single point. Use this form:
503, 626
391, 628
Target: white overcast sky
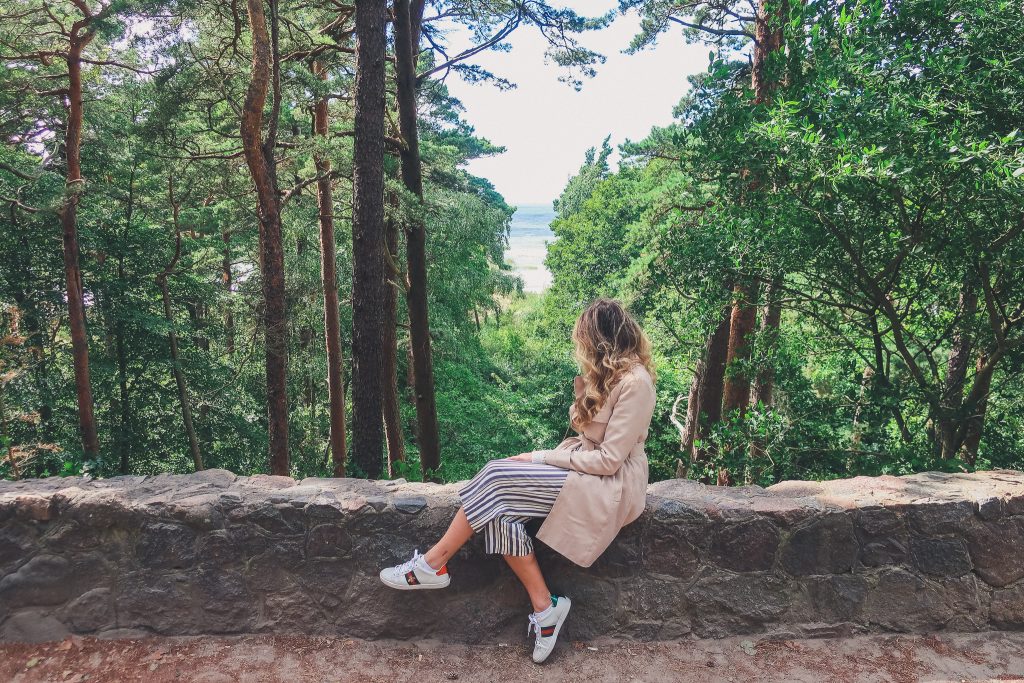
547, 126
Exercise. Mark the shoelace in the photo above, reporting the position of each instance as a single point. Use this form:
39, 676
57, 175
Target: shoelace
533, 625
408, 566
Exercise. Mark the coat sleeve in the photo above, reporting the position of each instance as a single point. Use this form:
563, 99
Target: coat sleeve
629, 419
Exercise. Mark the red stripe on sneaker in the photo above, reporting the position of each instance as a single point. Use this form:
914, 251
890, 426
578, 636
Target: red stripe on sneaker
546, 631
442, 570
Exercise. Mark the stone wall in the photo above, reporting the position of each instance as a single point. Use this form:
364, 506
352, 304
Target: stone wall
216, 553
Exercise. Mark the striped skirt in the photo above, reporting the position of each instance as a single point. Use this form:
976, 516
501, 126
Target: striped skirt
505, 494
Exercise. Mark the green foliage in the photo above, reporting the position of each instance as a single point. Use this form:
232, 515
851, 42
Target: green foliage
879, 182
880, 185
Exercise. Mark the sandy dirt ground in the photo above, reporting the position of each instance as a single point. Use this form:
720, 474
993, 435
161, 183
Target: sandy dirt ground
895, 658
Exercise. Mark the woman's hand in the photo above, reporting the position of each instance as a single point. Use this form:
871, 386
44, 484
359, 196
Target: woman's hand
522, 457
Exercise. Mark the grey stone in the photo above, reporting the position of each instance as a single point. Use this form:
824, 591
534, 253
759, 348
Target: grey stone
997, 550
967, 603
328, 540
940, 556
378, 503
624, 558
836, 598
825, 546
879, 521
216, 553
745, 547
91, 611
1008, 607
12, 549
946, 517
410, 505
882, 552
225, 602
166, 546
724, 604
218, 549
43, 580
667, 553
161, 603
32, 626
902, 601
991, 508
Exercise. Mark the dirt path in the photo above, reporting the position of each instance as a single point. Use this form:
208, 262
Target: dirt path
899, 659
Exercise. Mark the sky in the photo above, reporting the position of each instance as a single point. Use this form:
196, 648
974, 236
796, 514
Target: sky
547, 126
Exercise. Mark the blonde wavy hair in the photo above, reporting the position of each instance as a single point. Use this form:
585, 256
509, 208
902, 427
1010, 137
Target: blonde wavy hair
608, 342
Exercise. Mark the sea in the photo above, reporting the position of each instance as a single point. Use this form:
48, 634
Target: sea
529, 236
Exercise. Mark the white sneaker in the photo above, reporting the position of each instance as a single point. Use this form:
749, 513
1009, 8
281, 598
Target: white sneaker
415, 574
548, 627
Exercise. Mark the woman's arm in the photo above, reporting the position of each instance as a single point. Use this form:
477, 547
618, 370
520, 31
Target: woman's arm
630, 418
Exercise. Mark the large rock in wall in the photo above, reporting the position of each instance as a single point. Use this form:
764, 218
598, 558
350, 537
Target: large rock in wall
216, 553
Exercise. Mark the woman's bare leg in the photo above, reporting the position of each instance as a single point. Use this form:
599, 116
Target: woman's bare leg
459, 531
528, 571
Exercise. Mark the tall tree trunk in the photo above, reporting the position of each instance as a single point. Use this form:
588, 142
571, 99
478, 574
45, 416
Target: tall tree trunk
368, 280
976, 418
692, 420
407, 22
179, 380
329, 283
227, 280
949, 424
857, 431
72, 270
172, 336
764, 382
392, 408
767, 39
124, 442
124, 447
741, 328
259, 156
712, 383
771, 317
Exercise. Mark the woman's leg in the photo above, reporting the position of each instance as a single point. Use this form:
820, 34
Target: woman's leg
500, 487
459, 531
528, 571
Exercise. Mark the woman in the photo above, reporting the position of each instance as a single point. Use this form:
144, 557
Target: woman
588, 487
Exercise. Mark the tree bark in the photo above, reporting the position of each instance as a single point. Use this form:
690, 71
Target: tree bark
72, 269
392, 406
692, 420
124, 439
407, 22
368, 280
259, 156
771, 317
172, 336
741, 327
227, 279
951, 416
764, 382
767, 39
329, 282
712, 383
976, 418
857, 431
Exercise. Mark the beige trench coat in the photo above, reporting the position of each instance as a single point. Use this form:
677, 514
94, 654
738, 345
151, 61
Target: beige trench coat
607, 484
